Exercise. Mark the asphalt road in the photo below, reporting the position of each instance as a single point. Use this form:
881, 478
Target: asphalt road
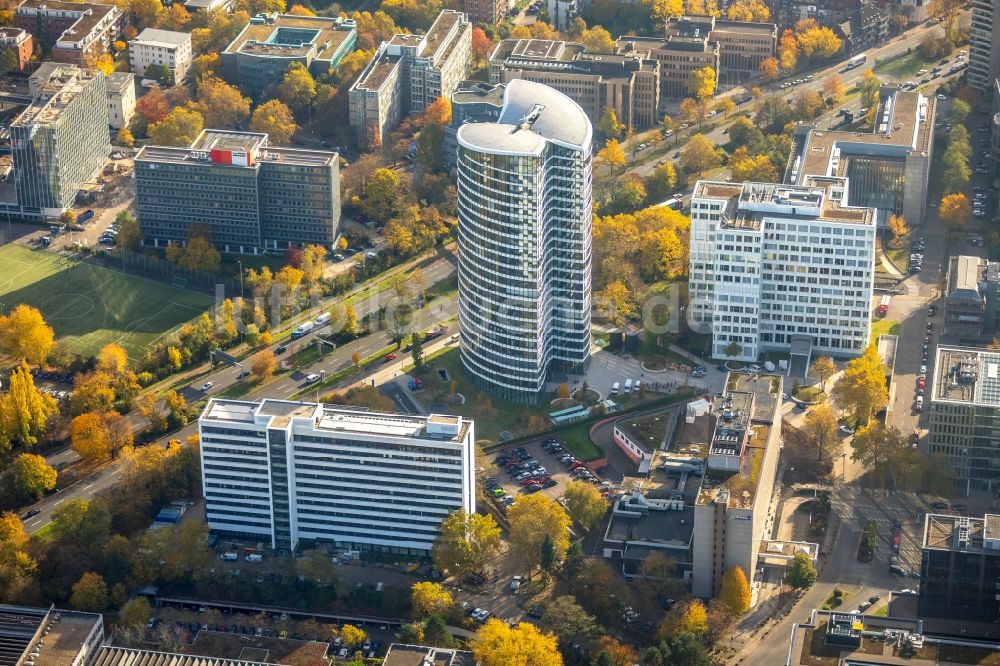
436, 311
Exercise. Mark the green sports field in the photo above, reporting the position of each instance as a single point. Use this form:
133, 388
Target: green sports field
89, 306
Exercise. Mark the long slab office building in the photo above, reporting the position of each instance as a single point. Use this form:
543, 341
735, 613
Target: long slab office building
286, 472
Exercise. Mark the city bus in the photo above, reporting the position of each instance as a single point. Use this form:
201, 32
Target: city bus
856, 61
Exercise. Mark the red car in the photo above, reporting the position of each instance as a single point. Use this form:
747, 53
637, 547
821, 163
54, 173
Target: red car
921, 383
390, 357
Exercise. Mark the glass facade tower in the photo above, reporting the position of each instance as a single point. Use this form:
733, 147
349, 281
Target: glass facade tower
524, 211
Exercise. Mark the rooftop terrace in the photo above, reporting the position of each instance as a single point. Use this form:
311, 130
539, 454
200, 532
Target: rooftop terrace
290, 35
966, 375
747, 204
56, 93
945, 532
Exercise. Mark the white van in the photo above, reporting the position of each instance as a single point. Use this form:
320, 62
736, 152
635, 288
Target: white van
920, 402
302, 330
311, 378
628, 386
615, 388
229, 556
323, 319
638, 385
254, 557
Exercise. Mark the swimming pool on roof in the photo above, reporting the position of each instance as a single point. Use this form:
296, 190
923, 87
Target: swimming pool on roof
286, 36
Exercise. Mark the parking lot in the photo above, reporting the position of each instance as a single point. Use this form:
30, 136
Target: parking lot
543, 466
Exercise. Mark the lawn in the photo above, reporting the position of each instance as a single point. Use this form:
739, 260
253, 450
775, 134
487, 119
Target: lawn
89, 306
906, 66
884, 327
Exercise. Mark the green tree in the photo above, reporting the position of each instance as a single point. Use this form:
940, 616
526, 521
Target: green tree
315, 566
135, 613
733, 349
82, 522
869, 86
380, 199
876, 446
800, 572
466, 543
297, 89
585, 503
90, 593
568, 619
430, 146
546, 554
179, 128
959, 112
417, 350
33, 477
129, 232
735, 591
662, 182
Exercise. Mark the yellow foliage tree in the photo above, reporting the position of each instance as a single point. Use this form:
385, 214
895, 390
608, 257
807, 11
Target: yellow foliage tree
861, 389
955, 210
819, 42
274, 118
898, 227
833, 88
25, 335
701, 83
769, 69
532, 518
585, 503
497, 644
179, 128
220, 104
735, 591
612, 154
88, 438
353, 635
788, 51
430, 599
687, 617
749, 11
662, 10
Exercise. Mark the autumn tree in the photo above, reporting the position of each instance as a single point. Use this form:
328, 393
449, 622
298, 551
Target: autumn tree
585, 503
353, 635
745, 167
24, 411
381, 195
532, 518
153, 106
769, 69
701, 83
735, 591
481, 45
90, 593
88, 437
662, 182
275, 119
129, 231
497, 644
597, 40
788, 51
612, 154
801, 572
820, 427
197, 255
612, 652
32, 476
616, 302
693, 110
955, 210
564, 616
700, 155
819, 43
823, 368
662, 10
833, 88
137, 611
749, 11
609, 125
861, 389
685, 617
180, 127
430, 599
896, 225
869, 86
24, 335
297, 88
466, 543
876, 446
263, 364
221, 104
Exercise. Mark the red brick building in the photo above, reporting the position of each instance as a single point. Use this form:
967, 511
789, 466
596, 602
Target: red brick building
75, 32
19, 41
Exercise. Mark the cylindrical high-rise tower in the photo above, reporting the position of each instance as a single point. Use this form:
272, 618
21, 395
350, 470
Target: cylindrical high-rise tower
524, 231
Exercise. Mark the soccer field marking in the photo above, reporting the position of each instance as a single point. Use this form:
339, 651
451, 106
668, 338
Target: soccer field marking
130, 330
7, 286
71, 300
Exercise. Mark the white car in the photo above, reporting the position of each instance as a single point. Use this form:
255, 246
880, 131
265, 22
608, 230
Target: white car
908, 591
204, 387
310, 378
515, 583
846, 430
923, 369
754, 368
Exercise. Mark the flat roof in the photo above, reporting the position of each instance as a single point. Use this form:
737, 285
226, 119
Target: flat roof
965, 274
962, 533
261, 36
747, 204
420, 655
17, 627
119, 80
633, 520
212, 139
377, 71
14, 34
89, 15
901, 127
67, 632
121, 656
968, 375
165, 38
439, 31
56, 92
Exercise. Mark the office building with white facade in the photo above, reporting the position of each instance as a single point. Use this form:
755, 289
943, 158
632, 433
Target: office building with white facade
772, 265
286, 472
164, 48
524, 233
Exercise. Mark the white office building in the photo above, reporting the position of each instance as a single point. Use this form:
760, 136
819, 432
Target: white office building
284, 472
121, 98
782, 268
161, 47
524, 233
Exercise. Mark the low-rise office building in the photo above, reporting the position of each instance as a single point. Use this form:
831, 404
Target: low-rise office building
163, 48
888, 168
733, 502
964, 414
257, 59
773, 267
20, 43
407, 74
253, 197
970, 304
75, 32
287, 472
628, 84
733, 49
960, 567
61, 140
121, 99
